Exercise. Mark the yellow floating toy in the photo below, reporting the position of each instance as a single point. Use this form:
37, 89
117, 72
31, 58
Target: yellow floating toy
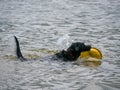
93, 55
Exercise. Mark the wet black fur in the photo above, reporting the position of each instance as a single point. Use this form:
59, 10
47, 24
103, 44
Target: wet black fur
71, 54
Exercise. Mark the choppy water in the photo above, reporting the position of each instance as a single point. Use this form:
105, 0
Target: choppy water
44, 26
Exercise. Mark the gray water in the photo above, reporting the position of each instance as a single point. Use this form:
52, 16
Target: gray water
46, 26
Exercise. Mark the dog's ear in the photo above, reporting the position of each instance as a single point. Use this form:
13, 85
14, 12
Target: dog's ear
76, 48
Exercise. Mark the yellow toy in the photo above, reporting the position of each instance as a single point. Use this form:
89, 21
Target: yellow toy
93, 55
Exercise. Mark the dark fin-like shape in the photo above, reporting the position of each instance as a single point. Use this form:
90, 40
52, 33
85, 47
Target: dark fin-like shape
18, 51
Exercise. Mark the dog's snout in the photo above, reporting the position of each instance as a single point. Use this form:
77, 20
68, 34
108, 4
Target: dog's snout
87, 47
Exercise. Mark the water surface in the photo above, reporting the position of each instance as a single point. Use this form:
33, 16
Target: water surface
45, 26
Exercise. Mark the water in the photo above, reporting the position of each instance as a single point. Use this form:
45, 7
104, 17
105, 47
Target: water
45, 26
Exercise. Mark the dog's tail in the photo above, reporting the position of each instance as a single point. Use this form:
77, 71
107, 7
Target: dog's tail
18, 51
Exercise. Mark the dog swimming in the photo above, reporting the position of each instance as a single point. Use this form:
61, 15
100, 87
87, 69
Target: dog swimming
71, 54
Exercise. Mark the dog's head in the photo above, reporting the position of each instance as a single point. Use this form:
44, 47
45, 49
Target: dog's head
76, 48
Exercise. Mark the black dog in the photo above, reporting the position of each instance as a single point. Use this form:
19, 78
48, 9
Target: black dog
71, 54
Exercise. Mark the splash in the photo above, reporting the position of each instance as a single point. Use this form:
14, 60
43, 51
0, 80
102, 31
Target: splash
63, 42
